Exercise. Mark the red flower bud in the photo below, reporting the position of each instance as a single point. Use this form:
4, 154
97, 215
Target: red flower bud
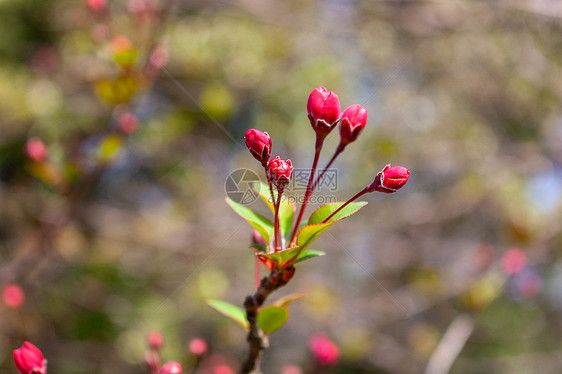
36, 150
29, 360
155, 340
323, 108
171, 367
279, 171
257, 238
197, 346
96, 5
325, 351
128, 123
13, 296
390, 179
259, 144
353, 121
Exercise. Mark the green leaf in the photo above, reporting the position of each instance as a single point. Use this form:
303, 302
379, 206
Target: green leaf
259, 222
262, 189
324, 211
283, 256
231, 311
315, 227
307, 254
286, 300
272, 318
259, 247
310, 232
286, 208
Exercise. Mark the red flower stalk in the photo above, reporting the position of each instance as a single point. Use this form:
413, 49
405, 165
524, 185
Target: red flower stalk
259, 144
323, 108
171, 367
29, 360
390, 179
353, 121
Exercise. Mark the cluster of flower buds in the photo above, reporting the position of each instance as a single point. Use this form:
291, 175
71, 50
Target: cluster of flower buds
30, 360
279, 171
324, 113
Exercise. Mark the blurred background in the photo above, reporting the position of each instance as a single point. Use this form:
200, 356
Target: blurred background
120, 122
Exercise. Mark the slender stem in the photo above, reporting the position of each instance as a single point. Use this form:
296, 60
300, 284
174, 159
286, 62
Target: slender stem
360, 193
276, 222
257, 340
275, 208
257, 272
336, 154
319, 143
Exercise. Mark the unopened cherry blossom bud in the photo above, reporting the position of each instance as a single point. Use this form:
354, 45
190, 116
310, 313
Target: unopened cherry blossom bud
197, 346
36, 150
96, 5
353, 121
171, 367
155, 340
223, 369
323, 108
324, 350
259, 144
513, 261
390, 179
279, 171
128, 122
13, 296
29, 360
257, 238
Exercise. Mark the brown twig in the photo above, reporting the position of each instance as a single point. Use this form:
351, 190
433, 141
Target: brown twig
257, 340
